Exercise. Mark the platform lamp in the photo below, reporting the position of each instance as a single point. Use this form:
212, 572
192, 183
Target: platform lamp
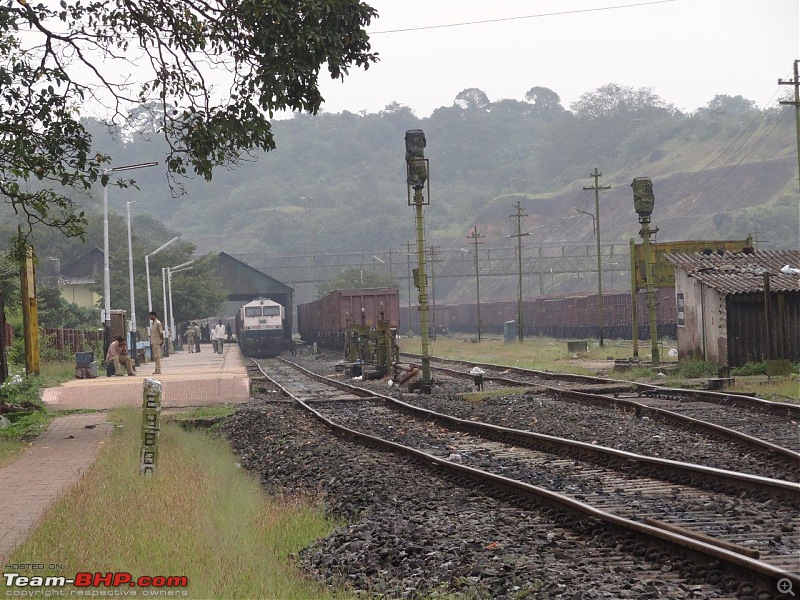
643, 203
170, 270
132, 332
417, 167
106, 270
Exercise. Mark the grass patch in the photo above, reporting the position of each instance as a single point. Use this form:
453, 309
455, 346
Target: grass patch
200, 516
478, 397
540, 353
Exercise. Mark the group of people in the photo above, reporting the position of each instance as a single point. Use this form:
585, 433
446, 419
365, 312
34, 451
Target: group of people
217, 334
118, 357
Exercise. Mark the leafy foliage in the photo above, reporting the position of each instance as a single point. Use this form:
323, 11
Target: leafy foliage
54, 311
269, 54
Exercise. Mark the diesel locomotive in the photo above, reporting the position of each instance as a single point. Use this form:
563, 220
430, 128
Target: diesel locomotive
260, 328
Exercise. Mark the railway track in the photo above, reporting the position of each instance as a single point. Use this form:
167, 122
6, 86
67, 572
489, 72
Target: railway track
767, 433
627, 493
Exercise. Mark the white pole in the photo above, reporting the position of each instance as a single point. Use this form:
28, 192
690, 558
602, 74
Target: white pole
130, 268
165, 322
147, 270
106, 270
171, 309
147, 274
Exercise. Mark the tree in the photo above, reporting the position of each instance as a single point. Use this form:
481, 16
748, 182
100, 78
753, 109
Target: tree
614, 100
54, 311
216, 73
356, 279
730, 106
546, 103
472, 99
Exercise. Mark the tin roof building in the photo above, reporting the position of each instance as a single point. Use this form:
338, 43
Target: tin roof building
738, 307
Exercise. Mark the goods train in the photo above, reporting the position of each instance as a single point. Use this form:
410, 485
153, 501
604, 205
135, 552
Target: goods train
563, 316
325, 321
260, 328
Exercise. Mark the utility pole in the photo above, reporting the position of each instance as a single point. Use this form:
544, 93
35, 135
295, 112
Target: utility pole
417, 169
432, 249
796, 103
410, 277
475, 237
643, 202
597, 187
518, 216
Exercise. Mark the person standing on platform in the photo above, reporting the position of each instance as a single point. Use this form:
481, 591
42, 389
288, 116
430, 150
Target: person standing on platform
218, 336
118, 357
156, 340
196, 329
189, 335
228, 332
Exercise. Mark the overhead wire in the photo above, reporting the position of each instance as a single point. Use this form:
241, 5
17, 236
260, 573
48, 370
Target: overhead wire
756, 117
520, 17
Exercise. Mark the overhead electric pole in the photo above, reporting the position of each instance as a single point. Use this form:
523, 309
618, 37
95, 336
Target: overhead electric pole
597, 187
475, 237
518, 216
796, 104
433, 249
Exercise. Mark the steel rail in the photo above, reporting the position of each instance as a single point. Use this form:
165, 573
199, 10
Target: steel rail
678, 471
790, 411
643, 409
759, 572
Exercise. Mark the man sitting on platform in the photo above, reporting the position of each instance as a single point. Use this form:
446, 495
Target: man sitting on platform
118, 356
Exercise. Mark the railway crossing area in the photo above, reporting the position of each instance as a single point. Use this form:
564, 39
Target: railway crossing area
199, 379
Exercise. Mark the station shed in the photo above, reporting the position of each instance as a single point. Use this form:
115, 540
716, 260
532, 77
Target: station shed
738, 307
243, 283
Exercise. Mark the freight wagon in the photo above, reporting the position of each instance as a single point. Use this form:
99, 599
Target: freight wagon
563, 316
325, 321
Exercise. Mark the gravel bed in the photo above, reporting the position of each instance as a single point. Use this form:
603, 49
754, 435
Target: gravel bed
618, 429
411, 534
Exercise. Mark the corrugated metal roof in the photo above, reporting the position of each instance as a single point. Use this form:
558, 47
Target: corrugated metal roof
740, 272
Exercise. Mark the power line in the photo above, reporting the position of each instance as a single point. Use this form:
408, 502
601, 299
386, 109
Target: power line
537, 16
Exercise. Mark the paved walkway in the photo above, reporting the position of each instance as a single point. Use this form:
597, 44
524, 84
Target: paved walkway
59, 457
189, 380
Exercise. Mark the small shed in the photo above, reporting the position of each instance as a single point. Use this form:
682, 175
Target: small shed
738, 307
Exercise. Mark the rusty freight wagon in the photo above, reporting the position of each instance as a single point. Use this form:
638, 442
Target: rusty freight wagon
325, 321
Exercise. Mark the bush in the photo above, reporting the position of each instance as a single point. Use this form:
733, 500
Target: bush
690, 369
759, 368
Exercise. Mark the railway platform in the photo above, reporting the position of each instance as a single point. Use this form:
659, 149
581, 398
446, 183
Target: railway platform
197, 379
58, 458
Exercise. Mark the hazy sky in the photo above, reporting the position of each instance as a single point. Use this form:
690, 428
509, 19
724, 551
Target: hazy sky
687, 51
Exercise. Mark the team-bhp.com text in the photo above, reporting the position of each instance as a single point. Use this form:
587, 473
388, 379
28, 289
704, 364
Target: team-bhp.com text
120, 581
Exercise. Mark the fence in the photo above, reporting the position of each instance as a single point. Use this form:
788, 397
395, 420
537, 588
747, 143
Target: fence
62, 344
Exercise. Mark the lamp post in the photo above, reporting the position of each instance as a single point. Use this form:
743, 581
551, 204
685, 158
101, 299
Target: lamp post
165, 323
170, 270
147, 270
106, 269
417, 167
130, 284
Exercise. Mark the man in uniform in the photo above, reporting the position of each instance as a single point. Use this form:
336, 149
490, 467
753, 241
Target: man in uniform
156, 340
118, 357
